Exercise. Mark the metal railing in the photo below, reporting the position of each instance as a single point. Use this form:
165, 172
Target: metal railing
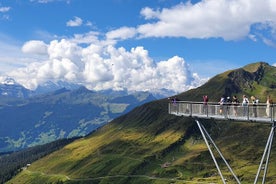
259, 113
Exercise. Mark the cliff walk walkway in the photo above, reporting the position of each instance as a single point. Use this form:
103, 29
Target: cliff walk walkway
260, 113
250, 113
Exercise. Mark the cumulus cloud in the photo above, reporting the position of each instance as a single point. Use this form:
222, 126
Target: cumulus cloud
35, 47
230, 20
50, 70
100, 66
75, 22
63, 49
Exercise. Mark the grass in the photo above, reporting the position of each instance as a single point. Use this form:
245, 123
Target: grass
186, 160
128, 152
30, 177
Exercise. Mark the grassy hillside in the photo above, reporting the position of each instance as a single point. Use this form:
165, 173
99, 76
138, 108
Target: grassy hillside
257, 79
147, 145
12, 163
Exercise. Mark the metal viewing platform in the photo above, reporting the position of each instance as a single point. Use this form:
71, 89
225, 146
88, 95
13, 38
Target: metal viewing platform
252, 113
260, 113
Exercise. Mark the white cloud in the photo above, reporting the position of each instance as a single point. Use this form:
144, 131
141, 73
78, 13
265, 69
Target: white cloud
63, 49
100, 66
88, 23
149, 13
35, 47
269, 42
50, 70
74, 23
4, 9
252, 37
174, 73
227, 19
121, 33
87, 38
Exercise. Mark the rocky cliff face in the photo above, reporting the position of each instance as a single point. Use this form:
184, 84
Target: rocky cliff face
242, 79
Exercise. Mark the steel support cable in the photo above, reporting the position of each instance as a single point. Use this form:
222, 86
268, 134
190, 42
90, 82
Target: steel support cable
269, 141
267, 158
213, 157
230, 169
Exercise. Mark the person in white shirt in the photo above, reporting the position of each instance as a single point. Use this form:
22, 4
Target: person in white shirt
245, 102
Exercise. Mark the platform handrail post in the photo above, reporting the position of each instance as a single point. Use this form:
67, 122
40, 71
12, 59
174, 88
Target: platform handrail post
191, 109
247, 112
272, 112
207, 107
177, 106
169, 108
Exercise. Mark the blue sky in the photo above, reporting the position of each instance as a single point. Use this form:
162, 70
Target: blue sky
134, 44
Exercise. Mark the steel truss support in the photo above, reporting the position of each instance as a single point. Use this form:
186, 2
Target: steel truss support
204, 134
264, 164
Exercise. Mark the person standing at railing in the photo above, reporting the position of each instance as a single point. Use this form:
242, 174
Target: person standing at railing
254, 103
235, 102
228, 104
245, 102
205, 102
174, 101
221, 105
268, 106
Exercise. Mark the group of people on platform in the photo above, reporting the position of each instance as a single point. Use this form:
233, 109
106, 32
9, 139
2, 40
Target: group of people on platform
225, 104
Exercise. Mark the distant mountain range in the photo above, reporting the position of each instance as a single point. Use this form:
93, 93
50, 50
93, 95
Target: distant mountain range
148, 145
30, 118
9, 88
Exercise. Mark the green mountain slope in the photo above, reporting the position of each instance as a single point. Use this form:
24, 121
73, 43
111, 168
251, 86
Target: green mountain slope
147, 145
12, 163
257, 79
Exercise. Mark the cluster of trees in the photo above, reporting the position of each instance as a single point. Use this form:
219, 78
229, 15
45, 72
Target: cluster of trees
12, 163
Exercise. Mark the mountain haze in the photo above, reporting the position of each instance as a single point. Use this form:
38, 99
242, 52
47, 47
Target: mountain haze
61, 114
147, 145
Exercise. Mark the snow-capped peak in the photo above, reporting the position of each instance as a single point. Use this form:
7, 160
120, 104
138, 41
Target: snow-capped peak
7, 81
